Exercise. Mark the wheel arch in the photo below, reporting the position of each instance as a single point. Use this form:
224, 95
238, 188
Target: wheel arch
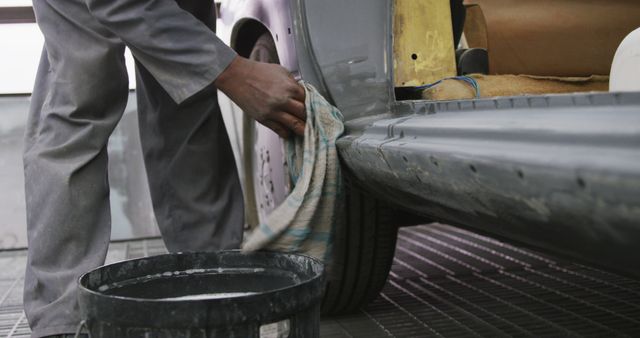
239, 25
245, 34
245, 23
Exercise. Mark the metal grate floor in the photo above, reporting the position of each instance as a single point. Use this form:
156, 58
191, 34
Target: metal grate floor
450, 282
444, 282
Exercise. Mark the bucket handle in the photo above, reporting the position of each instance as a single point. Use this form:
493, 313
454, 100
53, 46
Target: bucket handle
83, 324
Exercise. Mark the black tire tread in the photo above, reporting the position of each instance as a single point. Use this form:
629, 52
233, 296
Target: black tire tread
370, 239
361, 269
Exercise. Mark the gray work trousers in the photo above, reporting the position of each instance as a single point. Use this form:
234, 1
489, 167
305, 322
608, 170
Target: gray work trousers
80, 94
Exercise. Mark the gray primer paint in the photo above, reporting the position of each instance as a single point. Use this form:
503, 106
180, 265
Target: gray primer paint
352, 47
558, 172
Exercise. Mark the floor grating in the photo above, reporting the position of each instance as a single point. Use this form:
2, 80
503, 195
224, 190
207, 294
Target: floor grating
445, 282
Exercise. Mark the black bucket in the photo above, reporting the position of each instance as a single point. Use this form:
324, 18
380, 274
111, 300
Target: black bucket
226, 294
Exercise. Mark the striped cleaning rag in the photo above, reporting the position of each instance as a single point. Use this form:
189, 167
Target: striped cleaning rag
305, 221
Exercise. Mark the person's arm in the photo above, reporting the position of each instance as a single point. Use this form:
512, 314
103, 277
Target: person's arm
267, 92
185, 56
180, 51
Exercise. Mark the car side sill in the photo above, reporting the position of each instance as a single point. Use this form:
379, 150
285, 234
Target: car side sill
558, 172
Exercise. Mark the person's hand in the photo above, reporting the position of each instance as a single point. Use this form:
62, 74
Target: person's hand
267, 92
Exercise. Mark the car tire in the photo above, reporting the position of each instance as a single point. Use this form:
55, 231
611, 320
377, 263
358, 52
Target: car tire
362, 254
363, 247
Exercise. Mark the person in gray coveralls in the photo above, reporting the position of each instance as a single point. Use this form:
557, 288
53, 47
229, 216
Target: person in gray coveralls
80, 94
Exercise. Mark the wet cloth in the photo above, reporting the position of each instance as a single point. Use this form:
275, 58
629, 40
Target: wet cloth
305, 221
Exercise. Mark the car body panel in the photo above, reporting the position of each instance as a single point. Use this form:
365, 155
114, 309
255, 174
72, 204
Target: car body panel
354, 74
351, 46
558, 172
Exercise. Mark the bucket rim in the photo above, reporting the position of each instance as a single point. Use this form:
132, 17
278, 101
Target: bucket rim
96, 293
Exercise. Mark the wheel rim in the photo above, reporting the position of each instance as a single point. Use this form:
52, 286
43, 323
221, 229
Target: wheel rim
268, 166
266, 170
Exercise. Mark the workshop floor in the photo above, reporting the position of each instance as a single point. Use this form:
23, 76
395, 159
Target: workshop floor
444, 282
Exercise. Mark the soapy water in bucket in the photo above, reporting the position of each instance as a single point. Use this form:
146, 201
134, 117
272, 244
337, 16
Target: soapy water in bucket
209, 284
202, 284
210, 296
